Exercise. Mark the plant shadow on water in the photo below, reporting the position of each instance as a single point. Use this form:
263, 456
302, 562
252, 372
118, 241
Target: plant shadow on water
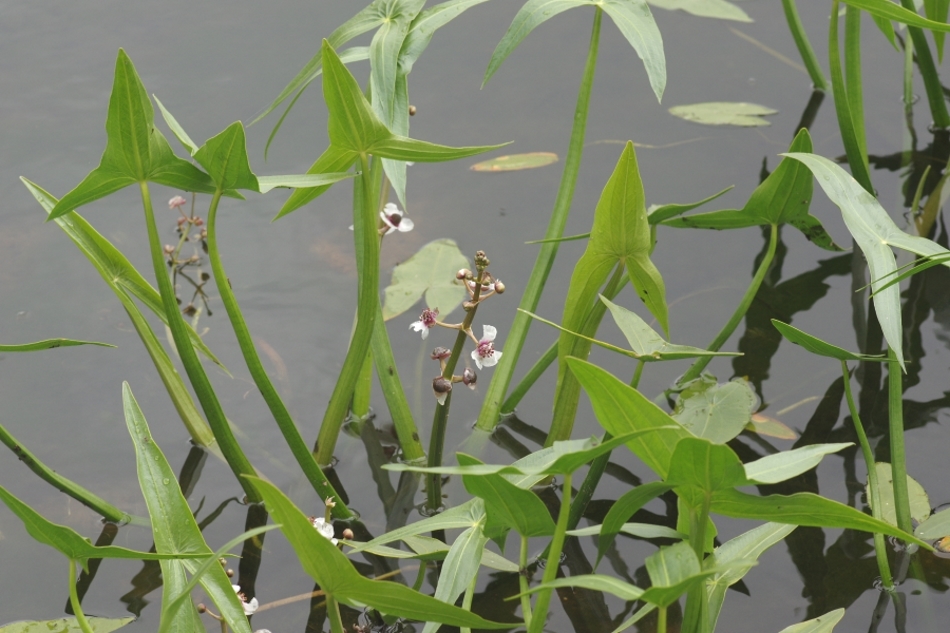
647, 539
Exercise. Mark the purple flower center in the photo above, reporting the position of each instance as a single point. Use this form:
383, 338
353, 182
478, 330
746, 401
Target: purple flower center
486, 349
428, 317
394, 219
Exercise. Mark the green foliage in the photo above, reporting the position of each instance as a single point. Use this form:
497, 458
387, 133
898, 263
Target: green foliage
66, 625
724, 113
48, 344
919, 501
430, 272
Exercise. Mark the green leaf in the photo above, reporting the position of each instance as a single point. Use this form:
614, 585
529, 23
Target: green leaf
174, 528
66, 625
176, 128
352, 123
135, 150
621, 409
708, 467
624, 508
509, 505
459, 569
919, 501
936, 10
337, 577
640, 530
805, 509
673, 570
69, 542
224, 157
462, 516
937, 526
822, 624
720, 9
516, 162
632, 17
48, 344
777, 467
716, 412
747, 546
402, 148
428, 548
384, 51
817, 346
300, 181
875, 232
890, 11
724, 113
430, 272
595, 582
333, 160
658, 213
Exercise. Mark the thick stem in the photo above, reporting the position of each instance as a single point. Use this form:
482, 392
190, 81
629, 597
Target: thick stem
553, 560
278, 410
895, 416
489, 416
333, 611
880, 547
230, 448
700, 364
367, 270
804, 46
74, 600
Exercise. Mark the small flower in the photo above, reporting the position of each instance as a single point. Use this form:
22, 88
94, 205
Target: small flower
441, 388
440, 353
324, 528
425, 322
485, 354
486, 287
395, 219
177, 202
469, 378
249, 606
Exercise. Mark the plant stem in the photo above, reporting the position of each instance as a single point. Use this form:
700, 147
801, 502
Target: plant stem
523, 582
522, 388
74, 600
700, 364
895, 416
367, 270
333, 612
208, 399
364, 388
278, 409
852, 75
804, 46
489, 416
467, 601
880, 548
553, 560
661, 620
928, 72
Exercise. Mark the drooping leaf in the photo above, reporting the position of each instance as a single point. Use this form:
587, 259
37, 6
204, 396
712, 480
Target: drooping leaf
66, 625
507, 504
917, 496
51, 343
175, 530
430, 272
724, 113
516, 162
720, 9
822, 624
624, 508
875, 232
716, 412
817, 346
777, 467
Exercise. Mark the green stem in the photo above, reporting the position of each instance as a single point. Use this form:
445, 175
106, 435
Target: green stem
700, 364
74, 490
74, 600
208, 399
523, 582
880, 548
395, 395
333, 611
367, 270
278, 409
804, 46
522, 388
553, 560
928, 72
895, 416
568, 387
364, 388
852, 74
661, 620
489, 416
467, 601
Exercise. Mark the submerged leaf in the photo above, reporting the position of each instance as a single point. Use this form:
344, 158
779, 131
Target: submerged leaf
822, 624
430, 272
917, 496
515, 162
724, 113
770, 427
716, 412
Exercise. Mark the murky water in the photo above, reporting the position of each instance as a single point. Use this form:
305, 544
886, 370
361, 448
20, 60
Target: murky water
213, 63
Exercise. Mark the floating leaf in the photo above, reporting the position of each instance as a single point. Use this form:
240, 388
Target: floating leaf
515, 162
430, 272
719, 9
66, 625
937, 526
716, 412
724, 113
919, 501
770, 427
822, 624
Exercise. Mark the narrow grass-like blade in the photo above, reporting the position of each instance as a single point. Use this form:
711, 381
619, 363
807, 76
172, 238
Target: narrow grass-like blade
51, 343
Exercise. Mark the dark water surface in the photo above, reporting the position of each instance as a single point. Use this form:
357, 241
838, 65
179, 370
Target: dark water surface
214, 62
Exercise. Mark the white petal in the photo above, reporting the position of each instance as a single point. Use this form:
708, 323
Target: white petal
425, 332
418, 325
488, 333
441, 398
406, 224
492, 360
251, 607
477, 359
237, 588
385, 219
392, 209
351, 227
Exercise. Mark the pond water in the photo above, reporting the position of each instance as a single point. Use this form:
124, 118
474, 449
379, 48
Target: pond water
213, 63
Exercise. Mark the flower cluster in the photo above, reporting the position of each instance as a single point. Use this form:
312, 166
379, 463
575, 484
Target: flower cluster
190, 228
480, 285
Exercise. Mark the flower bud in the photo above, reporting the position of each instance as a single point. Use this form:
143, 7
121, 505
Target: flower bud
441, 388
463, 273
201, 607
499, 287
348, 534
481, 260
412, 110
177, 202
229, 573
469, 378
441, 353
169, 249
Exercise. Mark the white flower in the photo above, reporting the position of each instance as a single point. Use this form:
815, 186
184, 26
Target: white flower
325, 529
395, 219
426, 321
485, 354
486, 287
249, 607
